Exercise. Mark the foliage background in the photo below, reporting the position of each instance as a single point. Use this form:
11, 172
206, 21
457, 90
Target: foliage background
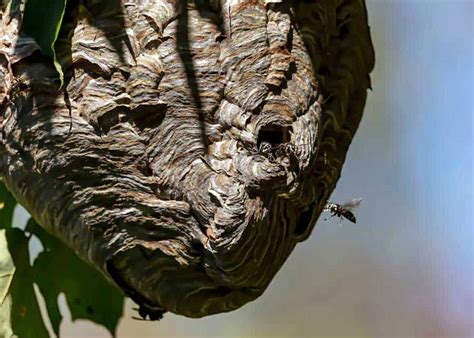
407, 268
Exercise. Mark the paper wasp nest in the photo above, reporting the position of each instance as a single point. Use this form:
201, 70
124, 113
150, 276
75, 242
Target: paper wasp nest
192, 146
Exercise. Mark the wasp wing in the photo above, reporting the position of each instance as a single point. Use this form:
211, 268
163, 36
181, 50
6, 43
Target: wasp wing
352, 204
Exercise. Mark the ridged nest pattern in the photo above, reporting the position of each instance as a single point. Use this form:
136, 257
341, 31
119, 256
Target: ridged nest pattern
192, 144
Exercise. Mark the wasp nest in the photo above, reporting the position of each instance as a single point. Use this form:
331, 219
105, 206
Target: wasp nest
192, 145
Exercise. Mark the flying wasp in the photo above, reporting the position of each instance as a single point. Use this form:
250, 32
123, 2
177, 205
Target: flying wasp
343, 210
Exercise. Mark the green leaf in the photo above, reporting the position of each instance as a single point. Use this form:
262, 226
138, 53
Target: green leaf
42, 21
7, 270
7, 205
5, 310
89, 296
26, 320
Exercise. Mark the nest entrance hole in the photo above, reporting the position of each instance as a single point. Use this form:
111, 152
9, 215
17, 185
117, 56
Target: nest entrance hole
274, 134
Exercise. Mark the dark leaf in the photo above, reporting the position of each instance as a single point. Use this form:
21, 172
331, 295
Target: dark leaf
42, 21
89, 296
26, 320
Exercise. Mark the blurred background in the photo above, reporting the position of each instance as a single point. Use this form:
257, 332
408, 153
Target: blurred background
407, 268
